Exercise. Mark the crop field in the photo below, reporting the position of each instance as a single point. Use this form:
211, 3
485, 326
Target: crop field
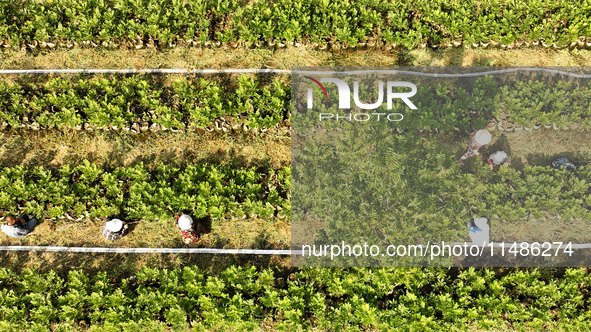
328, 25
78, 148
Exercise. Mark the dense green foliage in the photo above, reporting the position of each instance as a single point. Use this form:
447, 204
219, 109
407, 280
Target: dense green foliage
135, 192
352, 23
416, 176
467, 103
514, 194
242, 298
555, 101
264, 102
410, 187
119, 101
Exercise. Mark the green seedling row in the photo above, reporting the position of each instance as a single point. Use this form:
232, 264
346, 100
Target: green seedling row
409, 186
192, 103
537, 191
340, 24
120, 102
136, 193
247, 299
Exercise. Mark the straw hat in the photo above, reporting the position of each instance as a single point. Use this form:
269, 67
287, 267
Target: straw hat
483, 137
185, 222
114, 225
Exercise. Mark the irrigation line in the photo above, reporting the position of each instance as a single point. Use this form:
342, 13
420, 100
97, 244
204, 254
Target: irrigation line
219, 251
283, 71
144, 71
443, 75
151, 250
509, 244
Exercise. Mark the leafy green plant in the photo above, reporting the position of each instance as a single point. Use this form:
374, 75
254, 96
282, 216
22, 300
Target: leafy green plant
121, 101
247, 298
402, 23
206, 190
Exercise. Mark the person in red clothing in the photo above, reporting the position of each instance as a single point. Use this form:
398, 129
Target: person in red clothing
476, 140
189, 233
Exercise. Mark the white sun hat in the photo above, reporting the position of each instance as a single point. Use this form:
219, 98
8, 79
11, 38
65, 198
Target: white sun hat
185, 222
483, 137
114, 225
498, 157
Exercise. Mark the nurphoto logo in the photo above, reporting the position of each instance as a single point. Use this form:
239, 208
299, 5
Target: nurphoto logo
345, 93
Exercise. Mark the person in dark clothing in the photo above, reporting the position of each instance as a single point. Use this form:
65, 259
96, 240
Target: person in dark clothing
114, 229
498, 158
18, 227
563, 163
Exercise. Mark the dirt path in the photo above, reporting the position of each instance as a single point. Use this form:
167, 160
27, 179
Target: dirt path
286, 58
235, 234
542, 146
53, 149
249, 233
538, 147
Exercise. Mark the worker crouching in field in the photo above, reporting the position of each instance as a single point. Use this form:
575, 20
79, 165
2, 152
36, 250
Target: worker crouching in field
561, 163
477, 139
18, 227
114, 229
189, 233
498, 158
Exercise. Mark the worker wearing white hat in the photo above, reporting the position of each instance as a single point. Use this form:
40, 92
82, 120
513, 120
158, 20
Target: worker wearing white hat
477, 139
478, 231
114, 229
188, 231
497, 159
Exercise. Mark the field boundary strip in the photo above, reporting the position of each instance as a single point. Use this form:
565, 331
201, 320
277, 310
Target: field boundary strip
143, 71
283, 71
216, 250
151, 250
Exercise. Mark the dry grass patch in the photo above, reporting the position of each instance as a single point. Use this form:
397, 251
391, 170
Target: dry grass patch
55, 148
542, 146
287, 58
495, 57
126, 265
189, 58
575, 231
233, 234
538, 147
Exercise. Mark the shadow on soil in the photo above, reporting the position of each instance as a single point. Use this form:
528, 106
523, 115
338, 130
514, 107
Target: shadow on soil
54, 148
125, 265
547, 159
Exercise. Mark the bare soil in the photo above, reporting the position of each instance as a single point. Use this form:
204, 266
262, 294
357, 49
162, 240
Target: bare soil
232, 234
54, 149
192, 58
541, 146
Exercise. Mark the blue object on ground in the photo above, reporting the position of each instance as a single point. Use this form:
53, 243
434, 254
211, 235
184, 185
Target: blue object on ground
473, 228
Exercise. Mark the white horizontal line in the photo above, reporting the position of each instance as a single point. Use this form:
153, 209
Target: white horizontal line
509, 244
285, 71
427, 74
219, 251
144, 71
151, 250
